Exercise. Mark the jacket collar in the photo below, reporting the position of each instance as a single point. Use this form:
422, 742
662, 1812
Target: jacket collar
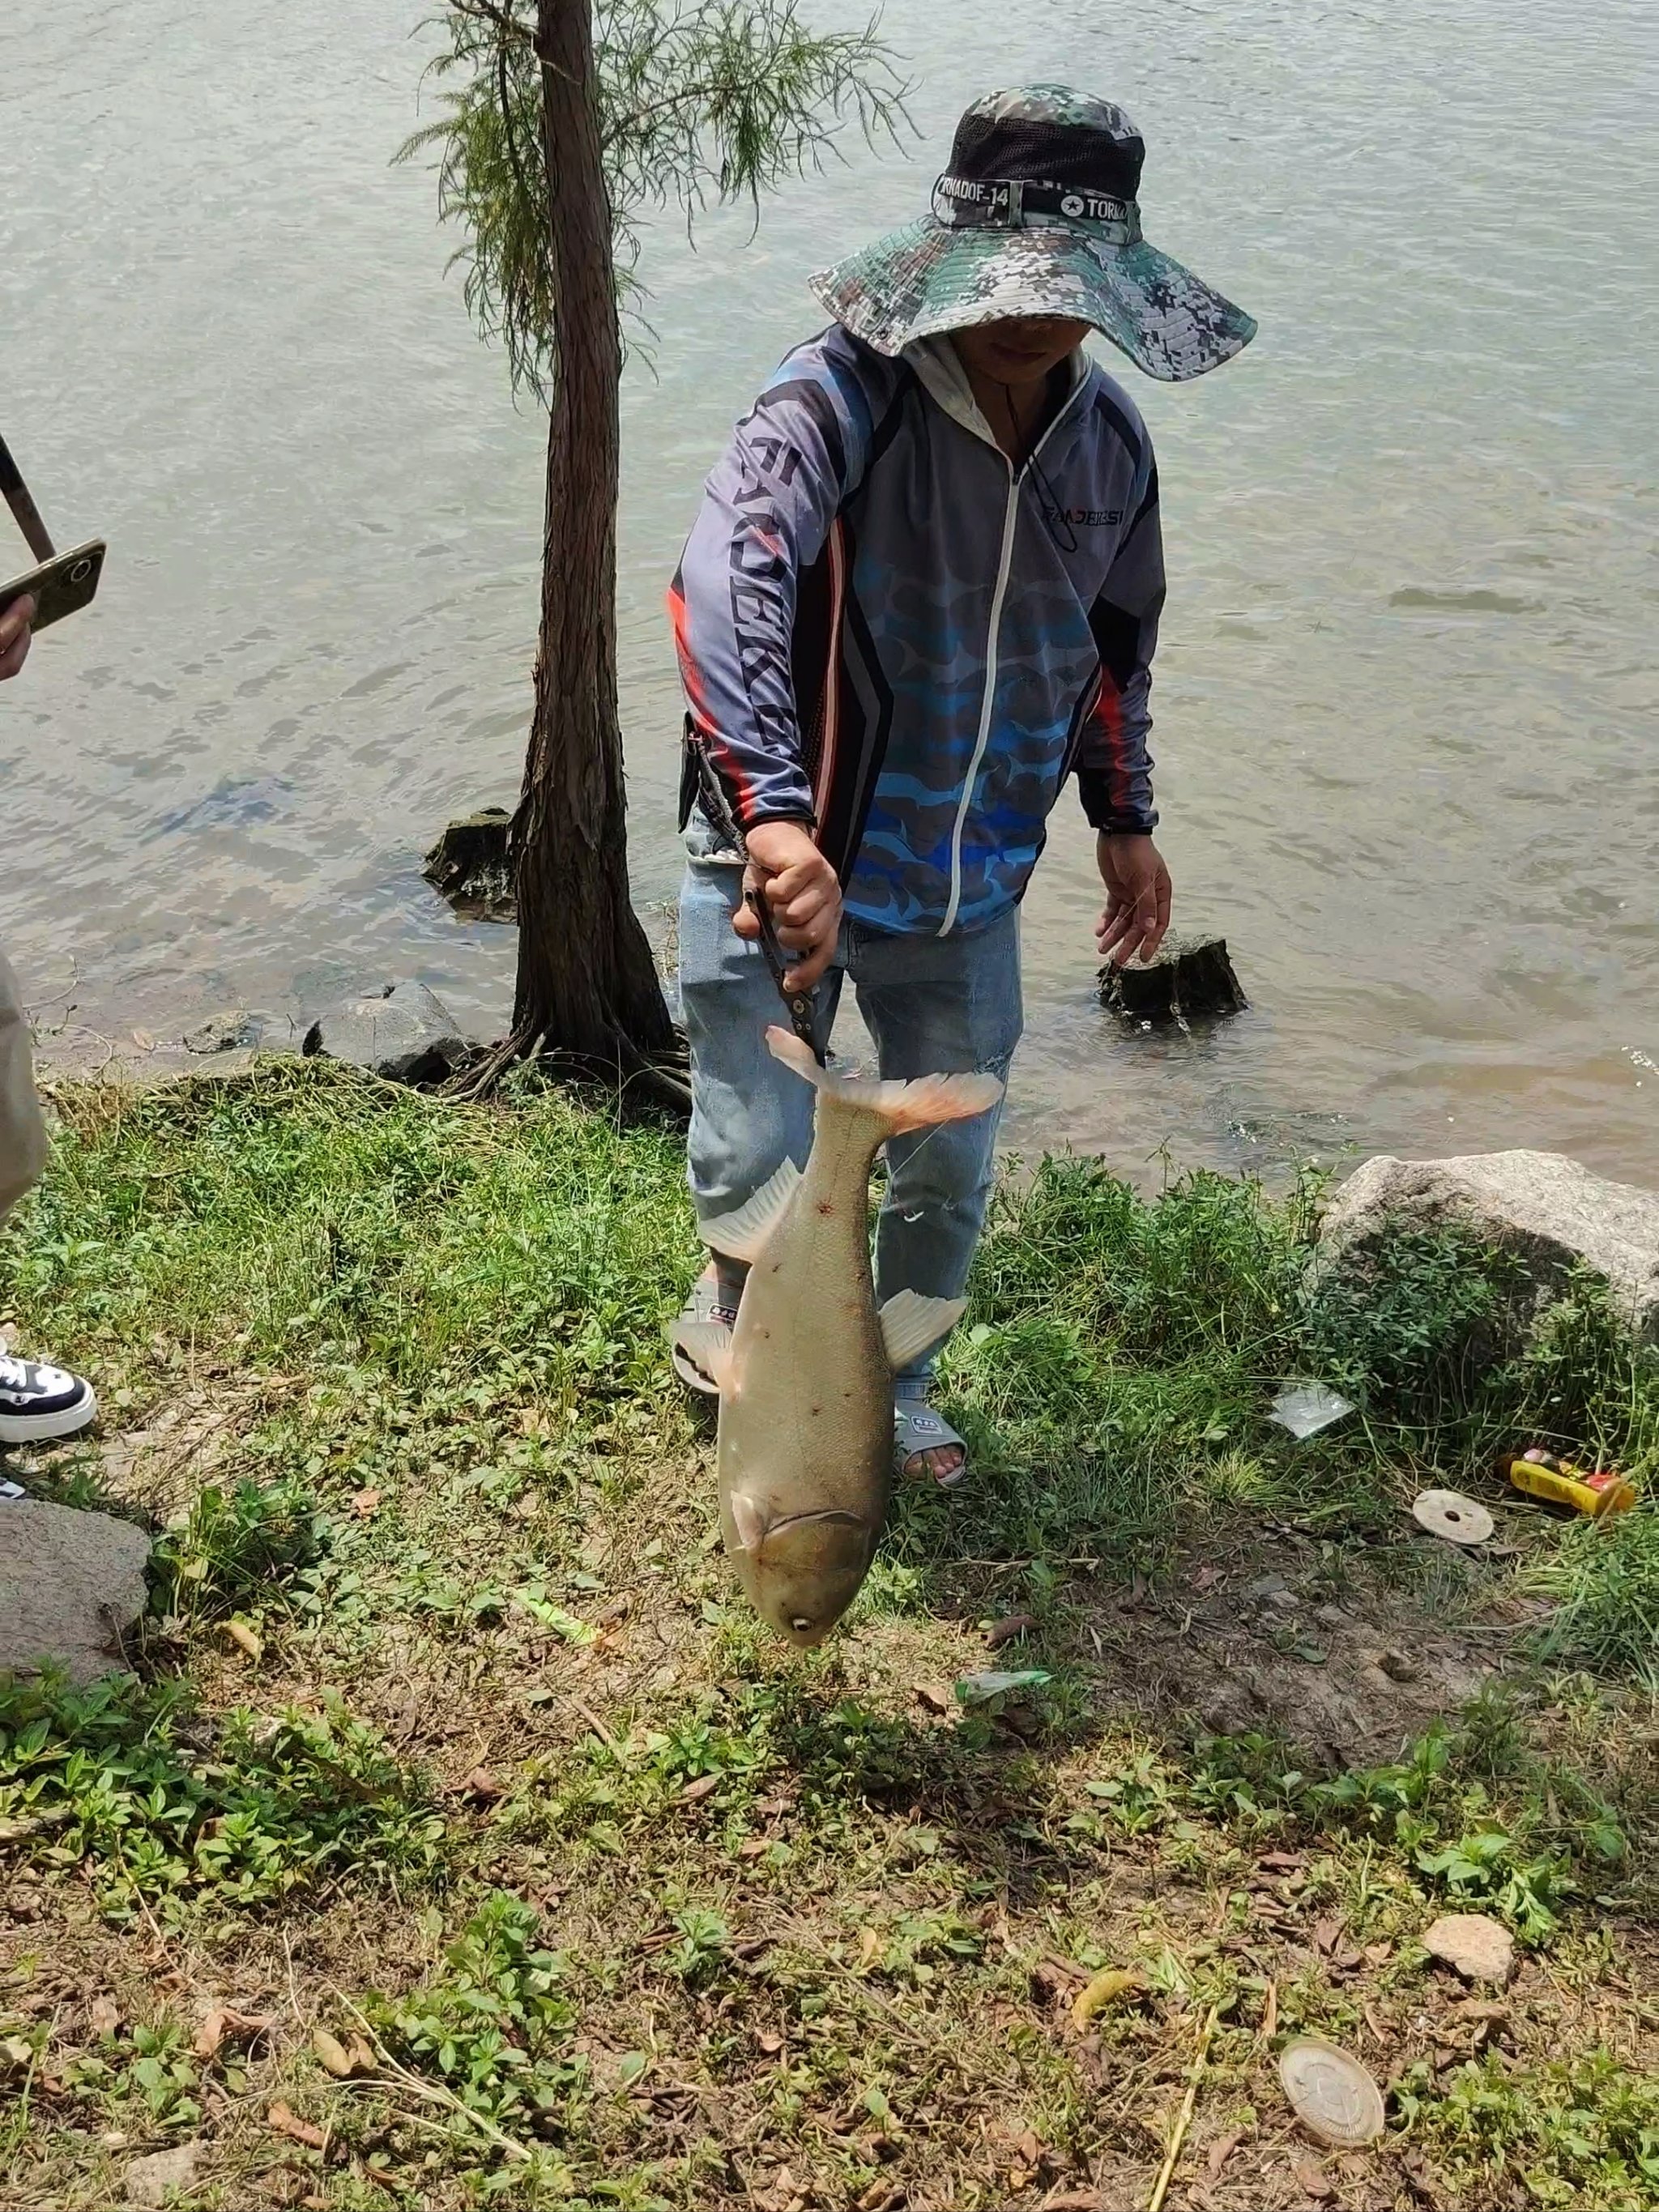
939, 369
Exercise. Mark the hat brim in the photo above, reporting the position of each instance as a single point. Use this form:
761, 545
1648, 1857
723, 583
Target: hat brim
930, 278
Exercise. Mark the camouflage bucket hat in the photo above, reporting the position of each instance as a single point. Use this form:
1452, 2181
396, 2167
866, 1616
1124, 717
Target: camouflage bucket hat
1037, 216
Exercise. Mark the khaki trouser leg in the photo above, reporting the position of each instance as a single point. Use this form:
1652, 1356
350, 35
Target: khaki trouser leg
22, 1132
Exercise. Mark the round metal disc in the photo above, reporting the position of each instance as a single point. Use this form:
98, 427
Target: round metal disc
1447, 1513
1332, 2094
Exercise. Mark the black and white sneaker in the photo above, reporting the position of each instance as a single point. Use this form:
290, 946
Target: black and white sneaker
38, 1403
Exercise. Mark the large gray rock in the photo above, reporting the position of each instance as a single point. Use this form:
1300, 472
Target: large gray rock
71, 1584
1547, 1210
404, 1033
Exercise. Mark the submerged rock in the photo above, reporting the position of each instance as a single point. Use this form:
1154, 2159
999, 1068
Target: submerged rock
1188, 978
1548, 1211
404, 1033
227, 1032
470, 866
71, 1583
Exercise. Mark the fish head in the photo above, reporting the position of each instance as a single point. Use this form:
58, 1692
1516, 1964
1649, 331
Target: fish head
805, 1571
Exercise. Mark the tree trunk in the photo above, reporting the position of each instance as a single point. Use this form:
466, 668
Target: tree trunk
587, 986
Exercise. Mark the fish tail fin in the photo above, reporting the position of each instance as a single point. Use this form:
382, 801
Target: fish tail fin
897, 1106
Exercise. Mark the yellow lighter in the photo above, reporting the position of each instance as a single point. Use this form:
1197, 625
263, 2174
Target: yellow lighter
1558, 1482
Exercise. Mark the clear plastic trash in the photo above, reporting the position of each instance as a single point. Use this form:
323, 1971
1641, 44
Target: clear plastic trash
1305, 1408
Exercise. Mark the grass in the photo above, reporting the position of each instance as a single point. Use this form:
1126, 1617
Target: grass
462, 1840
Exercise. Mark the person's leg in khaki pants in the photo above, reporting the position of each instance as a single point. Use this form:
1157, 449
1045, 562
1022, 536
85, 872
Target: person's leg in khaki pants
36, 1402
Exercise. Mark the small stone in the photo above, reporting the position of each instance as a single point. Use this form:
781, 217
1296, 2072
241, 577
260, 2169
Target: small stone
1473, 1945
1188, 978
70, 1584
164, 2174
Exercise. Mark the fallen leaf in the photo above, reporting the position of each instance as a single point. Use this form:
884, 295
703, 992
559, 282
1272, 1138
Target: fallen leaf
333, 2055
883, 2197
224, 2024
482, 1783
143, 1040
769, 2044
366, 1504
1222, 2149
1005, 1632
1282, 1862
16, 2050
361, 2057
1270, 2012
1348, 1959
1420, 2177
935, 1697
1207, 1578
283, 2122
106, 2016
1378, 1955
1075, 2200
869, 1949
247, 1640
704, 1786
1328, 1934
1112, 1985
1314, 2179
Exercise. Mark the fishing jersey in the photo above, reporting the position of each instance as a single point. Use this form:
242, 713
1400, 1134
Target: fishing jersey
887, 632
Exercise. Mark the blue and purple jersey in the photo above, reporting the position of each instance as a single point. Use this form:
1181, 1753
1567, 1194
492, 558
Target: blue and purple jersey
887, 633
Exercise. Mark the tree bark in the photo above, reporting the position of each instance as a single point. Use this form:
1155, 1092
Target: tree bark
587, 986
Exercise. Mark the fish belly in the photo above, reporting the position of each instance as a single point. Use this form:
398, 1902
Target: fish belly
807, 1424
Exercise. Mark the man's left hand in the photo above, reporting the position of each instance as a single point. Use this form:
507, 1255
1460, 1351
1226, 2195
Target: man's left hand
1138, 893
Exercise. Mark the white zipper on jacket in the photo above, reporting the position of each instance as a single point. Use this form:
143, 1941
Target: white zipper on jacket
988, 708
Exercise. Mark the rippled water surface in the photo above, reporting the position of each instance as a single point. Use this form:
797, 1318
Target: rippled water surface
1408, 692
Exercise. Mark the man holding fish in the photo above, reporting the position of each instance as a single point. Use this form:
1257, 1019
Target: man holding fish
923, 588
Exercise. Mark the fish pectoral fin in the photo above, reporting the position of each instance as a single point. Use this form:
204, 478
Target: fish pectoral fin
912, 1325
708, 1344
748, 1519
740, 1234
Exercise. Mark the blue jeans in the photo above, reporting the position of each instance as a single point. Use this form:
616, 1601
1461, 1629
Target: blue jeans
933, 1005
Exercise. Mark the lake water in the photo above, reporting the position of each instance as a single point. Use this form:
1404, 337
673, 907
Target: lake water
1408, 690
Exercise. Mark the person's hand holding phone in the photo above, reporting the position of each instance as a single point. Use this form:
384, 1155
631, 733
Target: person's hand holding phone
15, 623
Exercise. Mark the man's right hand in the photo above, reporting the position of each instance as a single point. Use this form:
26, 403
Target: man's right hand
15, 635
803, 891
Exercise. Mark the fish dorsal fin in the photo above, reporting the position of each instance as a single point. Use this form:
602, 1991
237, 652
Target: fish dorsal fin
750, 1521
912, 1325
740, 1234
708, 1344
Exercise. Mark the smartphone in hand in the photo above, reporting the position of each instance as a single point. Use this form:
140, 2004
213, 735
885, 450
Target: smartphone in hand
59, 587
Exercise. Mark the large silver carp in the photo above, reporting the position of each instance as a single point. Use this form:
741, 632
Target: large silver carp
805, 1448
